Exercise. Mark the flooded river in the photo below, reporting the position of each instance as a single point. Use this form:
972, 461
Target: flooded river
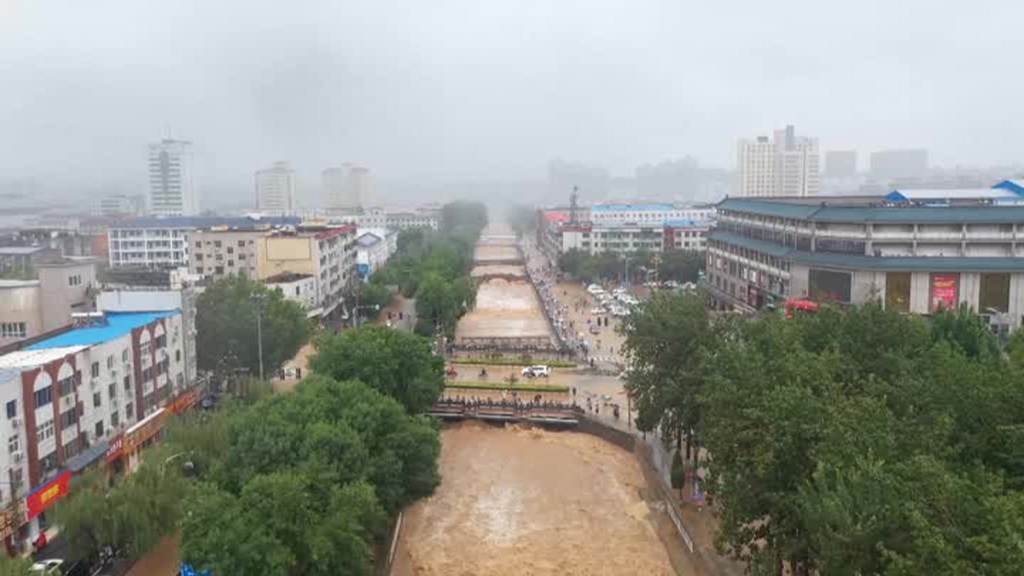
531, 502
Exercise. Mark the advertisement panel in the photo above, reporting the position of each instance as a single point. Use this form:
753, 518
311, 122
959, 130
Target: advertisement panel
944, 291
48, 494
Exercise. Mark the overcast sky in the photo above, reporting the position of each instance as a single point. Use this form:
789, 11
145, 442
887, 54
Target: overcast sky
477, 88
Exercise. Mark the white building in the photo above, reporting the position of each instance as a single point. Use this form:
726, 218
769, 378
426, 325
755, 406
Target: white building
67, 398
275, 189
171, 189
788, 165
301, 288
373, 248
647, 215
119, 205
162, 242
347, 187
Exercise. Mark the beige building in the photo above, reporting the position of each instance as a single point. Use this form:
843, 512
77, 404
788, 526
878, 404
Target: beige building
29, 308
217, 253
327, 254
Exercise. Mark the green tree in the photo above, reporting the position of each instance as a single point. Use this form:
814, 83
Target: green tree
395, 363
16, 566
680, 265
226, 326
375, 296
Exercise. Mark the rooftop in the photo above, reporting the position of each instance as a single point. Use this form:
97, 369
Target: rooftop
912, 194
368, 239
117, 324
631, 207
687, 224
874, 209
18, 283
32, 358
194, 222
21, 250
286, 277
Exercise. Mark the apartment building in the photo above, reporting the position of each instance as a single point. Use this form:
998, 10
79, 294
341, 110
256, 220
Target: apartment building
162, 242
220, 252
171, 189
374, 246
29, 308
326, 254
915, 251
23, 259
626, 228
68, 398
275, 189
647, 214
787, 165
301, 288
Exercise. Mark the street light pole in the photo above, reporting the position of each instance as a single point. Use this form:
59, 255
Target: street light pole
257, 298
626, 271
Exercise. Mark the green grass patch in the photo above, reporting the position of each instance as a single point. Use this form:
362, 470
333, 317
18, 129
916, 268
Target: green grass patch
505, 386
522, 361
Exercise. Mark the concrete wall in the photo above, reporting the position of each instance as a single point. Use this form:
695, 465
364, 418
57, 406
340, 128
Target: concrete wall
65, 289
22, 303
286, 254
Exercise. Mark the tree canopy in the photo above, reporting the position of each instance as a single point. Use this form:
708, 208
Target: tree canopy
678, 265
226, 335
854, 441
393, 362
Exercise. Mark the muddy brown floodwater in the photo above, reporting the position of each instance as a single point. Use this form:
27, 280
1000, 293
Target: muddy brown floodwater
531, 502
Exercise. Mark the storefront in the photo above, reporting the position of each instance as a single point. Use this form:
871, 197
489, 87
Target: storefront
125, 451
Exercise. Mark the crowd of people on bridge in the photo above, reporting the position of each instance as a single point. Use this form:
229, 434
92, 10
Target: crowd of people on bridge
537, 403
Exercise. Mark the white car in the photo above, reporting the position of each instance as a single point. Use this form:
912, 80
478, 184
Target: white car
50, 566
595, 289
597, 310
534, 371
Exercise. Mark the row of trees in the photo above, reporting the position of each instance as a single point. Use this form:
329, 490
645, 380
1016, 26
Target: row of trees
292, 484
853, 441
678, 265
434, 267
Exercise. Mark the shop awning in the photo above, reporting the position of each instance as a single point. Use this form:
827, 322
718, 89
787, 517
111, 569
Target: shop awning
80, 461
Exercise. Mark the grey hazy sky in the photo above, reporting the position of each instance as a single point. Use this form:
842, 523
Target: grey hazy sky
468, 89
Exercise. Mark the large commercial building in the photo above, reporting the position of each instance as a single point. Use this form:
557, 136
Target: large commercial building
88, 396
915, 251
171, 189
787, 165
161, 242
275, 189
29, 308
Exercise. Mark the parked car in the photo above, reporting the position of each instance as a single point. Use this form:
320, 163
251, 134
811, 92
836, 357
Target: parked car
49, 566
597, 310
534, 371
595, 289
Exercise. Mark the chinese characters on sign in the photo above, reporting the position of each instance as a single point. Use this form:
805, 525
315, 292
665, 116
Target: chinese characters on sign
944, 292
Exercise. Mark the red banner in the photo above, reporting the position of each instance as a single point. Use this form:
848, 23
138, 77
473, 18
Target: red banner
183, 402
944, 288
48, 495
114, 450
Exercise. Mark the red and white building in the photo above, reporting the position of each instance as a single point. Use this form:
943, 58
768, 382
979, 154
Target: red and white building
65, 399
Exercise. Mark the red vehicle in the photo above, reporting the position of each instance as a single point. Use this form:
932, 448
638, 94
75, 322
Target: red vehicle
805, 306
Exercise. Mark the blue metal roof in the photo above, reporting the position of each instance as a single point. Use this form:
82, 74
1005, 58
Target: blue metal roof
687, 223
768, 208
770, 248
632, 207
206, 222
1016, 186
117, 324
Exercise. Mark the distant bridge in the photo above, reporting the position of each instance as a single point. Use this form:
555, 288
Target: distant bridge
553, 415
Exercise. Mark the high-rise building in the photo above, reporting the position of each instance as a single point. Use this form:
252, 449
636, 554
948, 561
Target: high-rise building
275, 189
171, 190
841, 163
347, 187
787, 165
889, 164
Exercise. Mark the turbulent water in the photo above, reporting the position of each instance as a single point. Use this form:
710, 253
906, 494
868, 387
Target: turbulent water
531, 502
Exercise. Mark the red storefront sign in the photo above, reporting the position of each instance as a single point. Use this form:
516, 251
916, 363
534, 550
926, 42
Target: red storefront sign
114, 450
183, 402
944, 292
48, 495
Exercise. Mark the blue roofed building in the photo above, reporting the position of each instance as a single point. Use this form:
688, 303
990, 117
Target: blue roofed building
91, 395
915, 251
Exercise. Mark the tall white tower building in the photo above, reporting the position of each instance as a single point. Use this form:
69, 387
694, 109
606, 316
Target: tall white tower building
275, 189
171, 189
347, 187
787, 165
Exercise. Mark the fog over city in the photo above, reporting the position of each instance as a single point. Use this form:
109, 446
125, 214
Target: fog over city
427, 93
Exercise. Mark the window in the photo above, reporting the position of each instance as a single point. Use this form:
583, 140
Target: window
241, 243
111, 391
147, 374
49, 462
97, 400
12, 409
99, 429
72, 448
216, 243
127, 383
199, 244
67, 386
12, 330
177, 355
110, 362
231, 250
128, 410
45, 431
13, 444
115, 419
124, 355
43, 397
69, 418
95, 370
144, 349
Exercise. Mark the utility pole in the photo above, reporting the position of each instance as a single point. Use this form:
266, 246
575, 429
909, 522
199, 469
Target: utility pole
257, 298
